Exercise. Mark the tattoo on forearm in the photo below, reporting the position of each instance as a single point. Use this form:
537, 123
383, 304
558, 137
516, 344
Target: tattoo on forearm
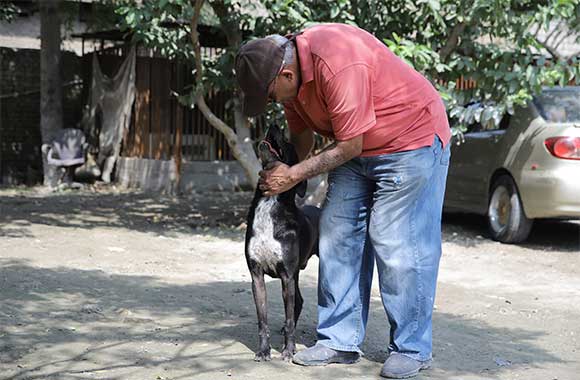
328, 159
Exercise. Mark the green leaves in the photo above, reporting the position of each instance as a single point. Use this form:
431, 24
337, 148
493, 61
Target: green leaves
421, 57
8, 11
491, 42
130, 18
162, 25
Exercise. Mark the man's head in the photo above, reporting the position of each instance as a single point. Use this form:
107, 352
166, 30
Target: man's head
267, 70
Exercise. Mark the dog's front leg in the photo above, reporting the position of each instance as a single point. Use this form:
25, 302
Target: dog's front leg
289, 294
260, 299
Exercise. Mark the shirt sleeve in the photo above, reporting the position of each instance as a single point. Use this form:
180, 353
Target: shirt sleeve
295, 122
349, 99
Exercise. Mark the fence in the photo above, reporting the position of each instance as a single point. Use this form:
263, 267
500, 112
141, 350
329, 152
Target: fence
161, 127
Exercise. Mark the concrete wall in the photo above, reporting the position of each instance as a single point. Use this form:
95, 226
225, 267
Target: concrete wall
212, 175
146, 174
198, 176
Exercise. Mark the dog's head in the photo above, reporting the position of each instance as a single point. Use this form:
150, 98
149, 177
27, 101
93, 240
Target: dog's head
275, 148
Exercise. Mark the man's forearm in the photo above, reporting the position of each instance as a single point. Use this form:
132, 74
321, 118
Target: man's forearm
332, 157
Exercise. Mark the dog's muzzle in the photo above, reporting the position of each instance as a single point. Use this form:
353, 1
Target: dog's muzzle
266, 146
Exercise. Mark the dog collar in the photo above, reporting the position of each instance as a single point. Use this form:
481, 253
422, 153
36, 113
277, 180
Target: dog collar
271, 149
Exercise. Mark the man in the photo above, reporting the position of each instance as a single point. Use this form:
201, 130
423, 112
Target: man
387, 171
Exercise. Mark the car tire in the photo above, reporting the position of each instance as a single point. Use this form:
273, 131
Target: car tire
505, 214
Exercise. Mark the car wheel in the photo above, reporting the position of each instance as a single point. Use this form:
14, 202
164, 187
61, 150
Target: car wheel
506, 218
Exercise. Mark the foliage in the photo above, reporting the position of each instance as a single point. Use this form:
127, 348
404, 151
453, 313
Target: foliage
163, 25
8, 10
493, 42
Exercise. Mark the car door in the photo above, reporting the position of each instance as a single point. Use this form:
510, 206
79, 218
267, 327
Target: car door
473, 160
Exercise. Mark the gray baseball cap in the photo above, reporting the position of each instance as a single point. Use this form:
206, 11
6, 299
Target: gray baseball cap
257, 64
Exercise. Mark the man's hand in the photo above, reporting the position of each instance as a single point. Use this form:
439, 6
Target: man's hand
276, 179
280, 177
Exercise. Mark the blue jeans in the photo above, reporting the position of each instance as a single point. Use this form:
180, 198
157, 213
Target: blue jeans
386, 209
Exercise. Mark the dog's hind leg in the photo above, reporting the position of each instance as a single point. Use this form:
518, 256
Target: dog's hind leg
260, 299
289, 295
298, 302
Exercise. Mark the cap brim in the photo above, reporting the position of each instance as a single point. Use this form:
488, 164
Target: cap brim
254, 105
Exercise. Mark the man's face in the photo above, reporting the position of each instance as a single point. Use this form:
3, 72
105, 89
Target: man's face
284, 87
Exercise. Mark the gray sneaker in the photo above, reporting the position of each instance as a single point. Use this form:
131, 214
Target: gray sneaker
398, 366
319, 355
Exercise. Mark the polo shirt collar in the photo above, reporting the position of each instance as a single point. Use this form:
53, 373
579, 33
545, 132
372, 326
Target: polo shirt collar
305, 58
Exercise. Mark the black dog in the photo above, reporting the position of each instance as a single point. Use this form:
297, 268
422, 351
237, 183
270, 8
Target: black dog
280, 239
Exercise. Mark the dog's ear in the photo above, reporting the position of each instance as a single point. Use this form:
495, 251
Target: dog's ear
301, 188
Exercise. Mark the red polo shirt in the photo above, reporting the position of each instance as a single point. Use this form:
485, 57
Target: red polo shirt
352, 84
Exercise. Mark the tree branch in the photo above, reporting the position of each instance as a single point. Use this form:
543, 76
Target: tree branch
452, 41
231, 28
556, 28
197, 4
199, 98
552, 52
560, 37
239, 153
539, 27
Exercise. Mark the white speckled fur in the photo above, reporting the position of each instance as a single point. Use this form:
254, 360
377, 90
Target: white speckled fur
263, 248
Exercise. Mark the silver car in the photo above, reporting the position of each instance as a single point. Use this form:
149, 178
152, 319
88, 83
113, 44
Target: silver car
527, 168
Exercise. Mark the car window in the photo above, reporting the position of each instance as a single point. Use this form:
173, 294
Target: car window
559, 105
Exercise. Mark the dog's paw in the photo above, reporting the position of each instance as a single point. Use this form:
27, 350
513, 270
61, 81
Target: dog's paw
263, 356
287, 355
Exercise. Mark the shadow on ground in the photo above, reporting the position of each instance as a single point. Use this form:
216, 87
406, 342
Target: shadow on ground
80, 322
470, 229
166, 215
141, 212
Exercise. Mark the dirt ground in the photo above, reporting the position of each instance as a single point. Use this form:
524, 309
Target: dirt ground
122, 285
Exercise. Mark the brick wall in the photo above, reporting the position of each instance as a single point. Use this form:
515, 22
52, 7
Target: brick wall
20, 160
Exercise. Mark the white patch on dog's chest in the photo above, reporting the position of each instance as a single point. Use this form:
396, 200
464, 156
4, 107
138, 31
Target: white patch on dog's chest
263, 248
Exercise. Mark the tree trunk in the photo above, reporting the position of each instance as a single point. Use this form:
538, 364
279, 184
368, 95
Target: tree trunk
452, 41
239, 139
242, 150
50, 82
242, 127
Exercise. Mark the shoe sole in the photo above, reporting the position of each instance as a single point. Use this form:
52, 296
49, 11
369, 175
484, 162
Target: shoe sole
406, 375
323, 363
